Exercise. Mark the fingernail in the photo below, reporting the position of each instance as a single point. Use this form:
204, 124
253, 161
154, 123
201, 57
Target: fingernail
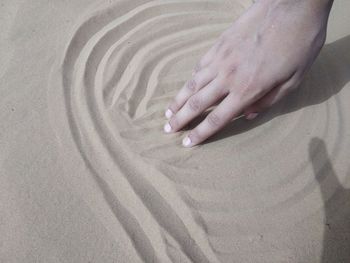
252, 115
186, 141
168, 113
167, 128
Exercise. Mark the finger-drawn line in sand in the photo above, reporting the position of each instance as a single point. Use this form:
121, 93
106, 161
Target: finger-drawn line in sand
116, 76
102, 70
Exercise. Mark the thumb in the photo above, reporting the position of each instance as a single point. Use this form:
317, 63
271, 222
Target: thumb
272, 97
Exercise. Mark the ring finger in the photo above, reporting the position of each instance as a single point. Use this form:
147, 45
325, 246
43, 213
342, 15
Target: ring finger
195, 105
192, 86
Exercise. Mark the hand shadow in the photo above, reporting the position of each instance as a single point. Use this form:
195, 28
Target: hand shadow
327, 77
336, 237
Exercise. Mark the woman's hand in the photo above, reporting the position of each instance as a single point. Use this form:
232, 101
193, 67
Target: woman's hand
254, 63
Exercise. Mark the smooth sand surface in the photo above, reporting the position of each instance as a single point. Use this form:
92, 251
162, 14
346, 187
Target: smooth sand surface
87, 174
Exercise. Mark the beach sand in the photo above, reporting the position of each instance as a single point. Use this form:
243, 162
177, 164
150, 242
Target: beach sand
88, 175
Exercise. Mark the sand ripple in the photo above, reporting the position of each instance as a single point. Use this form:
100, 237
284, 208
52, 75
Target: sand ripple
121, 67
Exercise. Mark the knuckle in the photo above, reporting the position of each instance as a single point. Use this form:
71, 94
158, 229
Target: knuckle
197, 67
230, 71
214, 120
226, 50
174, 106
194, 103
248, 87
191, 85
222, 88
224, 82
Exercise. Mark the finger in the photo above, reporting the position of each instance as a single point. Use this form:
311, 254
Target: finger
272, 97
192, 86
196, 105
228, 109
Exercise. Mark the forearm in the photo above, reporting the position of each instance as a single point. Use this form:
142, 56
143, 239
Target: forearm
314, 4
322, 5
303, 9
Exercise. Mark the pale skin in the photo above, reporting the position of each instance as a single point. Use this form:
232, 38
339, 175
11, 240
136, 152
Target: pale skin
258, 60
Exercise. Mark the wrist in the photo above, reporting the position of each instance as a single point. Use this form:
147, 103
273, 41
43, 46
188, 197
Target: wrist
321, 5
314, 9
324, 5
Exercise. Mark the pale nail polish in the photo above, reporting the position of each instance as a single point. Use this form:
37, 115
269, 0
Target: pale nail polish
252, 116
168, 113
186, 141
167, 128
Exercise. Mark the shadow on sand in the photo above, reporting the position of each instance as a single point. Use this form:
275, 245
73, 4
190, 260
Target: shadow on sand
336, 244
328, 75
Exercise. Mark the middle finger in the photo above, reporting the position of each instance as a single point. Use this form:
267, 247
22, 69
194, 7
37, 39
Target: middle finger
199, 80
196, 104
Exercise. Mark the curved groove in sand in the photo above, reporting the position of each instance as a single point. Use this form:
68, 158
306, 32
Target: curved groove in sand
119, 70
83, 75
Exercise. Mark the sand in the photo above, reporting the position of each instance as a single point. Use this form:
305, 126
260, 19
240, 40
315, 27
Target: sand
87, 174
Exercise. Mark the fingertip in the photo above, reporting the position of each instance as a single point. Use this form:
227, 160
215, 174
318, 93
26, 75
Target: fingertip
251, 116
186, 142
167, 128
169, 113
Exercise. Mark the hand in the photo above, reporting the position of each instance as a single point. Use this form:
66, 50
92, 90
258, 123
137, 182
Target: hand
254, 63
